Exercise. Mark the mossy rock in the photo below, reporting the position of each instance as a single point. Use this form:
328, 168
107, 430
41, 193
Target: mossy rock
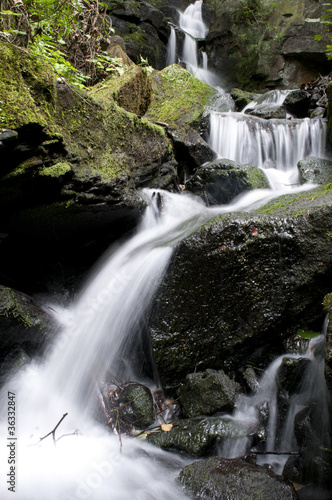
242, 98
268, 112
199, 436
178, 97
23, 324
220, 181
205, 393
221, 478
315, 170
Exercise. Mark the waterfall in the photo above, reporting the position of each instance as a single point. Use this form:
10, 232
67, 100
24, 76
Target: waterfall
271, 98
280, 435
171, 48
274, 145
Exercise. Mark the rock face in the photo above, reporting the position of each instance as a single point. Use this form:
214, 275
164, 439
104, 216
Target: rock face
242, 283
315, 170
222, 478
269, 44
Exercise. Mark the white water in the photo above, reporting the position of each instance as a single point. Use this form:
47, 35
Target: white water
273, 145
272, 98
281, 437
96, 339
171, 48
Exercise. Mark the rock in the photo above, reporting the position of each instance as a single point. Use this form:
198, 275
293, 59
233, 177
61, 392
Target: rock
220, 181
24, 328
193, 320
315, 170
178, 97
267, 112
242, 98
250, 379
205, 393
318, 112
328, 348
189, 147
222, 479
290, 374
199, 436
297, 103
135, 405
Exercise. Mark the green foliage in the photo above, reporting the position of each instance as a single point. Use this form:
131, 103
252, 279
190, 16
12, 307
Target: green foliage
68, 35
308, 334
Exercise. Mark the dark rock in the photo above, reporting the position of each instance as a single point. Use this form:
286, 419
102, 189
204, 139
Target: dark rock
267, 112
315, 170
318, 112
242, 98
233, 260
290, 374
222, 479
205, 393
135, 405
189, 147
199, 436
250, 378
297, 103
328, 349
24, 328
220, 181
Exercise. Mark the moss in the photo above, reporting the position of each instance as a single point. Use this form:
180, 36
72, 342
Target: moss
327, 303
256, 178
10, 306
27, 88
178, 96
57, 170
298, 204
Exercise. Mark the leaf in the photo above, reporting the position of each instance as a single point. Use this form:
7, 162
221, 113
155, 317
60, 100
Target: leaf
318, 37
308, 334
166, 427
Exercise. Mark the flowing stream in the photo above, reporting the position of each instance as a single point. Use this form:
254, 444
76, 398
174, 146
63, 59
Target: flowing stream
98, 331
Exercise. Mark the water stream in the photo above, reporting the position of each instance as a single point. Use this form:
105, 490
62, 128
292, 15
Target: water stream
98, 331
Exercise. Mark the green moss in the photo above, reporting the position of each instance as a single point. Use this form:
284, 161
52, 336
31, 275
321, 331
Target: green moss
256, 178
178, 96
27, 88
10, 306
327, 303
56, 170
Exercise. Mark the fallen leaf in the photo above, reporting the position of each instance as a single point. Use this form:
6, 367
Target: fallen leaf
166, 427
254, 231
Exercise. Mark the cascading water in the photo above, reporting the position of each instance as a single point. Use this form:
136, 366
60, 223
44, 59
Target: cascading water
274, 145
252, 409
171, 48
95, 340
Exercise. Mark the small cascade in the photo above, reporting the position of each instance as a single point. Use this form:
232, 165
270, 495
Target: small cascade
273, 145
171, 48
272, 98
266, 407
196, 61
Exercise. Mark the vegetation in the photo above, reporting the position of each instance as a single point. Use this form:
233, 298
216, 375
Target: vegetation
71, 36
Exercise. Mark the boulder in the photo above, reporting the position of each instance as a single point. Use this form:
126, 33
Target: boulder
267, 112
242, 98
200, 436
135, 405
204, 393
233, 260
297, 103
290, 374
222, 479
220, 181
315, 170
24, 328
189, 147
328, 349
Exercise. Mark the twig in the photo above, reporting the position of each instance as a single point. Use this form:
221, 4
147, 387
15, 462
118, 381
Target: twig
275, 452
55, 428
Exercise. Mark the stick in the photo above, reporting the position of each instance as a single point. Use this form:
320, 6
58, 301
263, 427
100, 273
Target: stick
55, 428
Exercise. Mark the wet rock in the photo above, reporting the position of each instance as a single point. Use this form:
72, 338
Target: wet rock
297, 103
267, 112
189, 147
199, 436
328, 348
135, 405
204, 393
290, 374
315, 170
250, 378
24, 327
233, 260
221, 479
242, 98
318, 112
220, 181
